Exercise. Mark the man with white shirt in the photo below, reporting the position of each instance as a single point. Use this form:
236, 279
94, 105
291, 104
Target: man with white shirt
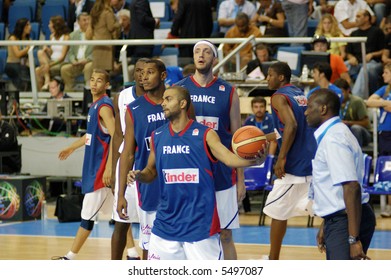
345, 12
80, 56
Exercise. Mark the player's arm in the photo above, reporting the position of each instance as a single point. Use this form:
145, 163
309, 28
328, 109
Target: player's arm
148, 174
221, 153
106, 114
286, 116
117, 139
126, 161
64, 154
235, 124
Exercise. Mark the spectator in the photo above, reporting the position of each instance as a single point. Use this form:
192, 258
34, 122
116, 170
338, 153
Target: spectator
79, 56
143, 24
338, 67
354, 114
228, 11
328, 27
16, 67
345, 12
374, 50
321, 9
382, 99
261, 55
51, 58
322, 74
386, 55
103, 26
270, 18
118, 5
297, 13
241, 29
76, 7
379, 8
188, 23
9, 142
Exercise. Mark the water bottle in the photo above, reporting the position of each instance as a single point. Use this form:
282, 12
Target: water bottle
44, 211
304, 73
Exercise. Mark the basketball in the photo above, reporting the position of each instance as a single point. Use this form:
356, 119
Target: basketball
247, 141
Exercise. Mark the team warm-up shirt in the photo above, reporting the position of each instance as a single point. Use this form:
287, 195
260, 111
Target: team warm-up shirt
298, 159
187, 211
212, 105
97, 147
146, 116
125, 97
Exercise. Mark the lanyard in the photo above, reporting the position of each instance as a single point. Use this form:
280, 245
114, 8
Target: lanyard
345, 109
325, 131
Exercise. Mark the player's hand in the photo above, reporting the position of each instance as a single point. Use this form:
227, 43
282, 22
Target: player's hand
133, 176
241, 191
320, 239
64, 154
279, 167
262, 154
107, 177
122, 206
357, 253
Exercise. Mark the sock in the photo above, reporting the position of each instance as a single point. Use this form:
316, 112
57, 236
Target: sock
132, 252
70, 255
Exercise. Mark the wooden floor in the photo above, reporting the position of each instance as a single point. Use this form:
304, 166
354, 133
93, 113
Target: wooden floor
18, 247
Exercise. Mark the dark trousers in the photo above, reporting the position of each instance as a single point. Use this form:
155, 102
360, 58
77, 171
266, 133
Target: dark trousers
336, 233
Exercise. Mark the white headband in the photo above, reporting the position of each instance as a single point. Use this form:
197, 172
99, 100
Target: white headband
206, 43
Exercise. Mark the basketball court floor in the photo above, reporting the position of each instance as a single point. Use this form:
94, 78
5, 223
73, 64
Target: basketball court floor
41, 240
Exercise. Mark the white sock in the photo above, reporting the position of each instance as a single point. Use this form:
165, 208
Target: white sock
70, 255
132, 252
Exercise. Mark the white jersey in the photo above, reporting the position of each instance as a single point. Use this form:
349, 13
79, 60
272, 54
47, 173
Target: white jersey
126, 96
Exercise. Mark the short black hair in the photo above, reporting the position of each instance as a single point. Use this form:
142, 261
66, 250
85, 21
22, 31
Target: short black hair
282, 68
258, 99
342, 84
325, 68
325, 96
183, 94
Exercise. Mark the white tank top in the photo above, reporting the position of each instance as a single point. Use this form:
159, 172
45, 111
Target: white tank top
125, 97
57, 49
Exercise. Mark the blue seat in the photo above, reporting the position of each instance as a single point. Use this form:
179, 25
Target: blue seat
258, 178
21, 4
312, 24
3, 61
296, 69
47, 12
2, 31
382, 177
367, 170
165, 24
35, 31
15, 12
64, 3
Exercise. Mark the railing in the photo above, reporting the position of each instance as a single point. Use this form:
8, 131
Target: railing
124, 43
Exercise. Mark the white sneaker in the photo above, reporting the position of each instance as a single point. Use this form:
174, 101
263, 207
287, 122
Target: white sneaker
387, 212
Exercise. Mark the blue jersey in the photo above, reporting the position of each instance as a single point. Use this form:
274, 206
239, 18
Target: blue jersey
385, 117
212, 105
187, 211
96, 147
266, 125
146, 116
331, 87
302, 151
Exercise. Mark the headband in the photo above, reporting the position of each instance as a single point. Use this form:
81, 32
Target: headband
206, 43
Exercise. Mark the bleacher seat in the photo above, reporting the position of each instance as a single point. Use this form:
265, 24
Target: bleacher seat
30, 3
2, 31
312, 24
1, 9
64, 3
3, 60
47, 12
15, 12
35, 31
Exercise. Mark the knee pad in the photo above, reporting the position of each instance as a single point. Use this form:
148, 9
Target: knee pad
87, 224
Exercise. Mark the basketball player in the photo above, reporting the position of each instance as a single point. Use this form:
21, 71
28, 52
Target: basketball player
144, 115
216, 105
182, 156
122, 233
96, 176
289, 197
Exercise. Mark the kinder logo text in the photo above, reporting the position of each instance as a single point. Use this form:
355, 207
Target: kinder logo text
211, 122
181, 176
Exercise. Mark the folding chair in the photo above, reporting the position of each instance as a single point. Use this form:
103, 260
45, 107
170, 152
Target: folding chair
257, 178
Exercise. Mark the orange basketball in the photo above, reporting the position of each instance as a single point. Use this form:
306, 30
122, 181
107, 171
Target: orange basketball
247, 141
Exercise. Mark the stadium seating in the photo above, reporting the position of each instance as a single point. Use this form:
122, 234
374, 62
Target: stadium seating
15, 12
47, 12
35, 31
2, 31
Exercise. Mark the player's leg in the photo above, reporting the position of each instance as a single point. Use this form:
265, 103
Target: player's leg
227, 207
163, 249
207, 249
146, 224
92, 203
277, 233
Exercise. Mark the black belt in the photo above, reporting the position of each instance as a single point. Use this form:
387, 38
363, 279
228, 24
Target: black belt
340, 213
